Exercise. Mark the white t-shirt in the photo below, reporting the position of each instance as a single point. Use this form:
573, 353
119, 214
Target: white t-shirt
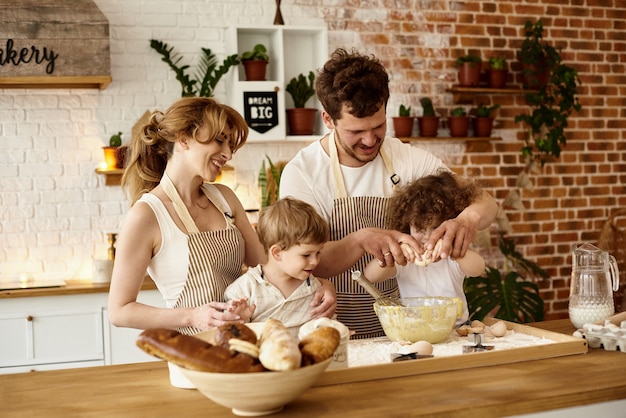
308, 176
443, 278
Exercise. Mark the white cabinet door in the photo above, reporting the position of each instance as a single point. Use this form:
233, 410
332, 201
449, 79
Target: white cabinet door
50, 334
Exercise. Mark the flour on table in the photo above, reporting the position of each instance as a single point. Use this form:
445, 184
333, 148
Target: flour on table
378, 350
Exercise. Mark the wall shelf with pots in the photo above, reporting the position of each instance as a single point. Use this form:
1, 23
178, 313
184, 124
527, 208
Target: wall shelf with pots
292, 50
450, 139
466, 94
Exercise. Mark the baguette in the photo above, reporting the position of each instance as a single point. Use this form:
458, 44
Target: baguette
278, 349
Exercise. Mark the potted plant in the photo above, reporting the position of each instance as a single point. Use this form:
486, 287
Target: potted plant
552, 104
469, 70
403, 123
497, 72
269, 181
458, 122
301, 120
538, 58
207, 75
483, 122
428, 123
507, 294
115, 152
255, 62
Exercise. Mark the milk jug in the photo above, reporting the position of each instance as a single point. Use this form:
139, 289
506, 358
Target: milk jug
594, 278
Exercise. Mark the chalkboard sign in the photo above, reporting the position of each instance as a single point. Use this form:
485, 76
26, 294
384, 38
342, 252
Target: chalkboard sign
261, 110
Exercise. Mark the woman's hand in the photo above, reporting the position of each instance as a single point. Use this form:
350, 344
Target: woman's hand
324, 301
213, 314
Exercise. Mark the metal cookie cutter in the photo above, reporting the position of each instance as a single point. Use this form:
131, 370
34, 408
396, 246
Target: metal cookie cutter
395, 357
476, 339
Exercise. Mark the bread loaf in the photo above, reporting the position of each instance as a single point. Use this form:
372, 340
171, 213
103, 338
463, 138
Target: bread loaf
278, 349
195, 354
319, 345
226, 332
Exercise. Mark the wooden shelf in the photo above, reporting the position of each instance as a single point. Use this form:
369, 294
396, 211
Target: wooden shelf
52, 82
450, 139
113, 177
466, 94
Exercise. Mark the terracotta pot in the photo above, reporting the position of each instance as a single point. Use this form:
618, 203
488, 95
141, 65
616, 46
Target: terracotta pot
109, 157
535, 76
403, 126
428, 126
497, 78
255, 69
301, 120
469, 74
459, 126
483, 127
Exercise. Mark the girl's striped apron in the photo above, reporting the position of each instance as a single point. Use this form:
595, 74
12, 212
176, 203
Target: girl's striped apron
215, 257
354, 304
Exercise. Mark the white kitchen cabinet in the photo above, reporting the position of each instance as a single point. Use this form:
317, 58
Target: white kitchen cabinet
65, 331
292, 50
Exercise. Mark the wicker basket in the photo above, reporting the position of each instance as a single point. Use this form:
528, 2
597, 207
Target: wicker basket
613, 240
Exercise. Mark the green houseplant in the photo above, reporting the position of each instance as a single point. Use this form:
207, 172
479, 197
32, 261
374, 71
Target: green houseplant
553, 102
255, 62
458, 122
496, 75
403, 123
469, 69
301, 120
428, 123
269, 181
483, 122
207, 75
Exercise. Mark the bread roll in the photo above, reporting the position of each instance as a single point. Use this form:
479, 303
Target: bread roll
319, 345
226, 332
195, 354
278, 349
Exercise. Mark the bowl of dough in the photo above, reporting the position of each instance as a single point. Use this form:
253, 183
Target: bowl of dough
253, 369
415, 319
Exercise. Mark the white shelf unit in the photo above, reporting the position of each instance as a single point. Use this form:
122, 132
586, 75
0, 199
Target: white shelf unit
293, 50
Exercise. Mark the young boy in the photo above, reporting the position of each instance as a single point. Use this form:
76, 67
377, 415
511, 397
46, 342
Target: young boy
418, 208
293, 235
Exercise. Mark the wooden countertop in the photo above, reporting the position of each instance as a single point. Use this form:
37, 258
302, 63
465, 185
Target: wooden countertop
518, 388
72, 287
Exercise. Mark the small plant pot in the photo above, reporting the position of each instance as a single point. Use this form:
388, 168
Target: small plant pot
255, 69
109, 157
497, 78
403, 126
459, 126
483, 127
535, 76
301, 121
428, 126
469, 74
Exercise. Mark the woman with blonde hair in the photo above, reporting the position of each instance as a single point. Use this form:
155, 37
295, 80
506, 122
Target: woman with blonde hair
190, 235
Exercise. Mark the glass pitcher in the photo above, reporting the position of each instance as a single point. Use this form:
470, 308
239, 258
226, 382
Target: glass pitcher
594, 278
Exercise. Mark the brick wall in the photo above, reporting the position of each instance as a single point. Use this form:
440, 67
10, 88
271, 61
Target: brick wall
55, 210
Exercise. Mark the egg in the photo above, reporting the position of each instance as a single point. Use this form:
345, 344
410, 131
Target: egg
421, 347
498, 329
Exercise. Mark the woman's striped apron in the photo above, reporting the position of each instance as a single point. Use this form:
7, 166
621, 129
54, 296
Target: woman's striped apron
215, 257
354, 304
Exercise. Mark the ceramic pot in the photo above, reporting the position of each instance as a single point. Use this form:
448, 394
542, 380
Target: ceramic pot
301, 120
428, 126
459, 126
483, 127
403, 126
469, 74
255, 69
497, 78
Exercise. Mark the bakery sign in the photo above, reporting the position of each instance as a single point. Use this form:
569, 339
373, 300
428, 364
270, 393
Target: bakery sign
53, 38
260, 110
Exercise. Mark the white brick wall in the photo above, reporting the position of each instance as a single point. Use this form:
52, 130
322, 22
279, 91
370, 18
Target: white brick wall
55, 210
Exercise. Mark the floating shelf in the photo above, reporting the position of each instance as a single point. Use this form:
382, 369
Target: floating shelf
466, 94
51, 82
450, 139
113, 177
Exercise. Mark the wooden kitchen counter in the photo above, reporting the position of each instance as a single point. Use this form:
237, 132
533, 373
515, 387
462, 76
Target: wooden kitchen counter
517, 388
72, 287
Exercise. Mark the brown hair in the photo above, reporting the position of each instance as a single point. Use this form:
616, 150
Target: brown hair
290, 222
359, 81
429, 201
152, 148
